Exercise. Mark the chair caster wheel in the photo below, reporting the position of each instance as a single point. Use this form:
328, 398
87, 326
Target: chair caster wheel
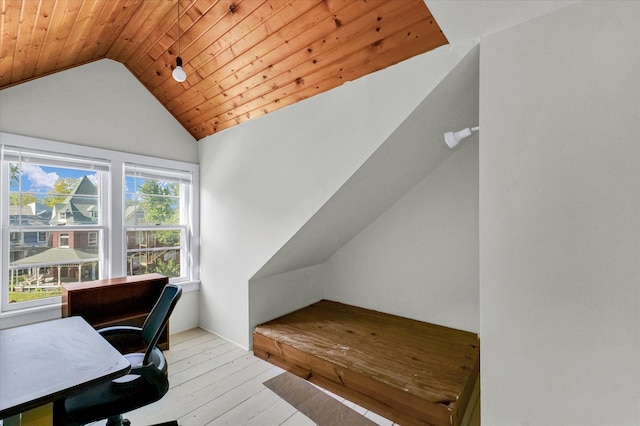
126, 422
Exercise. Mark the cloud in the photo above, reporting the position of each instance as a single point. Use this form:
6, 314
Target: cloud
39, 178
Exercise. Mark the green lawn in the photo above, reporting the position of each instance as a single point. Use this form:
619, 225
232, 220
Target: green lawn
15, 297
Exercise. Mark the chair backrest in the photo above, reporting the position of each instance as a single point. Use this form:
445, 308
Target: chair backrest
158, 317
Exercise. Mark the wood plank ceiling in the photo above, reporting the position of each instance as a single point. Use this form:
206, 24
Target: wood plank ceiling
243, 58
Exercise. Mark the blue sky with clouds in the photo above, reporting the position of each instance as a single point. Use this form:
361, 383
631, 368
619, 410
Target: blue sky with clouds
40, 179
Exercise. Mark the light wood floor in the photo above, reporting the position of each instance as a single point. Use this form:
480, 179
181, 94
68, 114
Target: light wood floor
214, 382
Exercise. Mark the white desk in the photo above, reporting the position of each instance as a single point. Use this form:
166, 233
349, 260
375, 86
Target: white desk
41, 363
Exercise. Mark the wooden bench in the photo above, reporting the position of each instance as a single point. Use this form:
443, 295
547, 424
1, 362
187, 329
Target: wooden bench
408, 371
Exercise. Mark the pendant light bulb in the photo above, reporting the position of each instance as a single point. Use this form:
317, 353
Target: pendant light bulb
178, 73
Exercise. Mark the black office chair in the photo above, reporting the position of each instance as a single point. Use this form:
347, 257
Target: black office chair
146, 382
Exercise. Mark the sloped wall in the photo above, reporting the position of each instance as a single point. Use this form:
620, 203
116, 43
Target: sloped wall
263, 180
419, 259
425, 269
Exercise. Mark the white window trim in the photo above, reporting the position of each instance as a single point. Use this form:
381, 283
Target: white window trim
114, 254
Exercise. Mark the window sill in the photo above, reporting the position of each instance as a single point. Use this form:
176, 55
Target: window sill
188, 286
49, 312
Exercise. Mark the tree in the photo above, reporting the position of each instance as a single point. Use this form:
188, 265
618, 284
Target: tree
24, 200
158, 200
16, 199
61, 188
169, 269
14, 173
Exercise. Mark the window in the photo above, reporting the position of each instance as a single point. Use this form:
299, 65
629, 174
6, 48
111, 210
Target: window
74, 213
63, 241
156, 221
92, 239
40, 184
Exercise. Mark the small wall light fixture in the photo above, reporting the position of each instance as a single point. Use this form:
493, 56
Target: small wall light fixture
453, 138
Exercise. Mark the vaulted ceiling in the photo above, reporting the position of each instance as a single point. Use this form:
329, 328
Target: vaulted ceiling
243, 58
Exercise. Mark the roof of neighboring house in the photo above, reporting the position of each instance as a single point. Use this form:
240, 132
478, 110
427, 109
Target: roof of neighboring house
31, 209
134, 215
59, 256
78, 205
21, 220
16, 210
84, 187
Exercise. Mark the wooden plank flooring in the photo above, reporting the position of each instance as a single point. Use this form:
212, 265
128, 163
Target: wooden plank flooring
214, 382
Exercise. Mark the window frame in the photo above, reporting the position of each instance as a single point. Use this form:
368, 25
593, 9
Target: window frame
184, 179
92, 239
111, 232
66, 236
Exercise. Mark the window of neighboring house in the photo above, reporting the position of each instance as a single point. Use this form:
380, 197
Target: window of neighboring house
157, 221
92, 239
63, 240
141, 212
91, 213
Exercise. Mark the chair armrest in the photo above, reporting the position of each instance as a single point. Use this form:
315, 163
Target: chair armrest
120, 329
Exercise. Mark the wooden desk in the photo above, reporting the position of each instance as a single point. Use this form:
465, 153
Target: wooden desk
43, 362
116, 301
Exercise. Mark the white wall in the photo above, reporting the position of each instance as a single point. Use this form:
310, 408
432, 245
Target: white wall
419, 259
279, 294
261, 181
99, 104
559, 222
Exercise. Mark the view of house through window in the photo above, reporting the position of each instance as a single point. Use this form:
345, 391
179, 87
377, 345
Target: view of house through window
155, 222
82, 214
50, 205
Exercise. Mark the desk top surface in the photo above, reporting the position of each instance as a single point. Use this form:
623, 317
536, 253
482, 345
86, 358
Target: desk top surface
42, 362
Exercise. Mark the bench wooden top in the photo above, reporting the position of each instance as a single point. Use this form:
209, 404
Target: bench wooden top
434, 363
